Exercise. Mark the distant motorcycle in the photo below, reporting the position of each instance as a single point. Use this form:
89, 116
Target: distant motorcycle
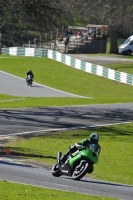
29, 80
78, 163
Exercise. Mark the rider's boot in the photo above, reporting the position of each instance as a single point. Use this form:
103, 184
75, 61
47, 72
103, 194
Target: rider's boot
63, 158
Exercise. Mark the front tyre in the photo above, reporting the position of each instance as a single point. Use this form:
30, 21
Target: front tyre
80, 172
55, 170
31, 83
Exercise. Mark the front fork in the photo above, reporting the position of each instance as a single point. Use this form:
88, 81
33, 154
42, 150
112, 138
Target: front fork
59, 157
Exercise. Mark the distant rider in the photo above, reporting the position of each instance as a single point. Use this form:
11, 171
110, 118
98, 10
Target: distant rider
29, 73
94, 139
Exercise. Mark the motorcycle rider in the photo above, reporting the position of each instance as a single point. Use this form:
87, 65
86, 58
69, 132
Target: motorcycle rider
29, 73
93, 139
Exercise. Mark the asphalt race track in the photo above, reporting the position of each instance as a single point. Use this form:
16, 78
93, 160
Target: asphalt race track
16, 86
20, 121
36, 176
101, 60
26, 121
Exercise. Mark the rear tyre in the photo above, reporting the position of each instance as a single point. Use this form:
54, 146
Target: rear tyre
91, 169
56, 170
80, 172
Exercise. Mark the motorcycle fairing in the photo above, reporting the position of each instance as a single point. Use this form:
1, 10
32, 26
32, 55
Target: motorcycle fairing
66, 169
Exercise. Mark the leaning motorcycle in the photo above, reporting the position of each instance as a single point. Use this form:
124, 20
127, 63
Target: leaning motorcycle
78, 164
29, 80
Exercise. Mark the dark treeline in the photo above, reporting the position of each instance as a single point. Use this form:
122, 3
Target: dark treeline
25, 20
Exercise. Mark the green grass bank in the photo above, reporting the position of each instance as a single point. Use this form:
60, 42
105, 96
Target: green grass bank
57, 75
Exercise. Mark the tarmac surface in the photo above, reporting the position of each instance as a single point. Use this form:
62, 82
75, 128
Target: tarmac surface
16, 86
101, 60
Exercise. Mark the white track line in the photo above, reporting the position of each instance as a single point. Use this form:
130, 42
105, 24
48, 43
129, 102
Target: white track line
8, 57
62, 129
12, 100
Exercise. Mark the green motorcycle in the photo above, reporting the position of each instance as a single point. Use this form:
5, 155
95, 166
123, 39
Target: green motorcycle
78, 163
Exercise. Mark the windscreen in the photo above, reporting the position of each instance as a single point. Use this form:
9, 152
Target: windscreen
95, 148
127, 41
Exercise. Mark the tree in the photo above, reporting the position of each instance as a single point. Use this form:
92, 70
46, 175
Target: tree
43, 16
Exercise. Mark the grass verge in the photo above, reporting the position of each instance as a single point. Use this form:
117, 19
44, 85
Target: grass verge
28, 192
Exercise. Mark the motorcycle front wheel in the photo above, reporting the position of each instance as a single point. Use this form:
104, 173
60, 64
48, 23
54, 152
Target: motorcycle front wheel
55, 170
30, 83
80, 172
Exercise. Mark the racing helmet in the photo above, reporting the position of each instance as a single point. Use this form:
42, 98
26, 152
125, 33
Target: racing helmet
94, 138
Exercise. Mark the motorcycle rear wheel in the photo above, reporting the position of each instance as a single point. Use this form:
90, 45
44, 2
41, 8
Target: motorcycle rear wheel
56, 170
78, 174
